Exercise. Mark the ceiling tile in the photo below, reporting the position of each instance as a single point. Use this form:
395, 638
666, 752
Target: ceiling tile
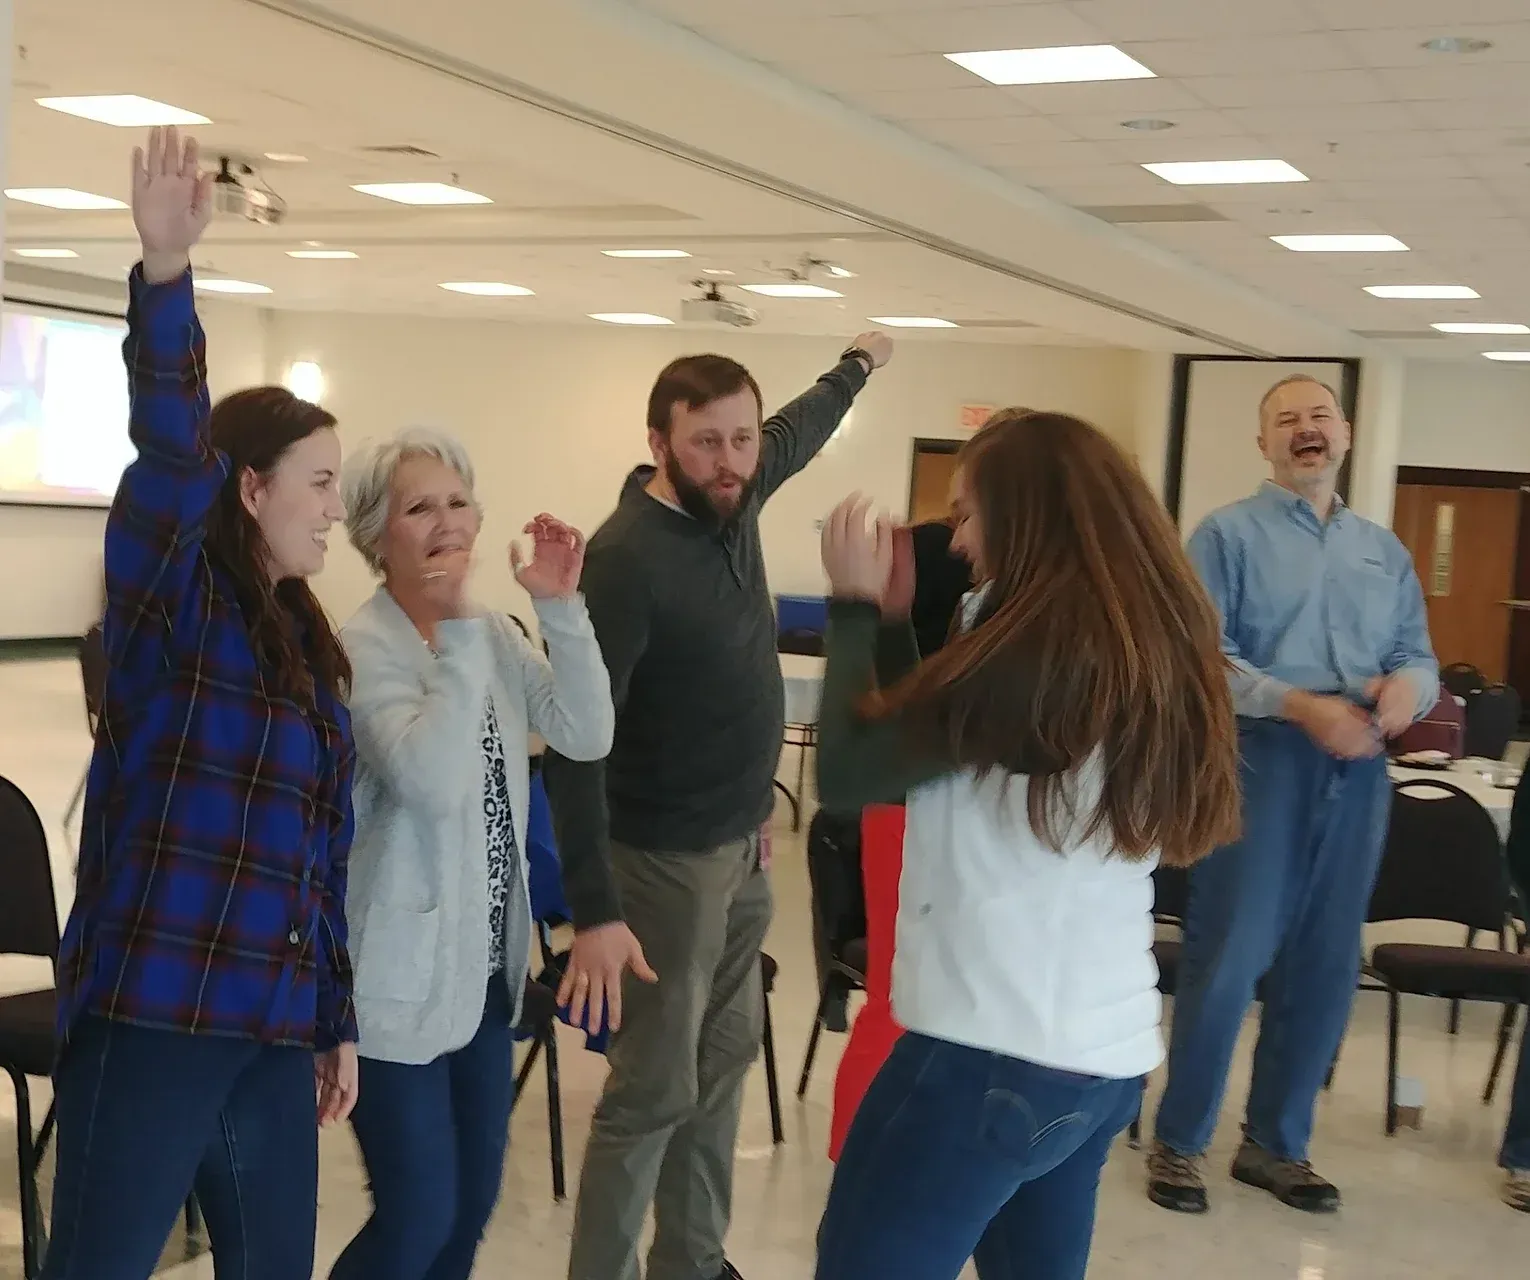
1132, 20
1356, 162
1159, 148
773, 38
1012, 130
1308, 88
981, 103
1227, 55
1107, 125
1048, 155
1403, 46
940, 29
835, 73
1506, 114
1129, 97
1461, 81
1324, 122
1444, 19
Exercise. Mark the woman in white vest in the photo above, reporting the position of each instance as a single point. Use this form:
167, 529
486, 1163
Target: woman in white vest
444, 698
1075, 730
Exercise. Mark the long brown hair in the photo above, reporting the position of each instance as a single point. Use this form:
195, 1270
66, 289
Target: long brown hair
1094, 636
292, 636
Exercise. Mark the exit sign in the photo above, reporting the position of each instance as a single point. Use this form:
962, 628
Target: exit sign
974, 416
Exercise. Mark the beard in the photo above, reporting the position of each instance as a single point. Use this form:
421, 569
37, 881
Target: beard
705, 502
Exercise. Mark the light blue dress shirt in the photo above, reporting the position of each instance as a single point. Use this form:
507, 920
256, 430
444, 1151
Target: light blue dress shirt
1305, 604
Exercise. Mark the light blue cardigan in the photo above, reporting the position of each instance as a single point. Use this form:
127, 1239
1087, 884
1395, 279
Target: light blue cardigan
418, 904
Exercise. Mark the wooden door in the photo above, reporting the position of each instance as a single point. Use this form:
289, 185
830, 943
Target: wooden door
929, 490
1464, 543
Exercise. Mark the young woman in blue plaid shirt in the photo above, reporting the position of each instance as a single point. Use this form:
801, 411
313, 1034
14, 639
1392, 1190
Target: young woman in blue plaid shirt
204, 988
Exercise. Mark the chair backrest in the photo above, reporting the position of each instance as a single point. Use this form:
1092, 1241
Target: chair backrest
1443, 860
834, 877
93, 673
1171, 894
1443, 728
1492, 720
28, 911
1462, 679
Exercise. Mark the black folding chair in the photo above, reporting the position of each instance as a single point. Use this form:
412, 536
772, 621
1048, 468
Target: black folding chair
1171, 895
1443, 861
838, 903
1492, 720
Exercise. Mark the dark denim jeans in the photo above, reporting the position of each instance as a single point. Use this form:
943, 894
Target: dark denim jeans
1515, 1153
1286, 903
958, 1153
433, 1139
144, 1114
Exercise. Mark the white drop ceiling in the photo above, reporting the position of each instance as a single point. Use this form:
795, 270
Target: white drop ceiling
752, 132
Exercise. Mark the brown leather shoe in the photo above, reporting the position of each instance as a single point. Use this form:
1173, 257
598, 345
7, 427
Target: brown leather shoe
1292, 1182
1174, 1181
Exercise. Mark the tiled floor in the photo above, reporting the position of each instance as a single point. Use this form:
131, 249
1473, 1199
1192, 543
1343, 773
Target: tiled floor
1423, 1204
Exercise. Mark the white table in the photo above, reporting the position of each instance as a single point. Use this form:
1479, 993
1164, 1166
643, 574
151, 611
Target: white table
1468, 775
803, 677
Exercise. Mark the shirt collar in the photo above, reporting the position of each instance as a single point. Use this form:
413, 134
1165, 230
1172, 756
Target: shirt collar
1295, 504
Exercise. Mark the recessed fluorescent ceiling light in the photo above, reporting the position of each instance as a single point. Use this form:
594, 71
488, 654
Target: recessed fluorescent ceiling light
46, 253
841, 273
420, 193
1519, 357
1342, 244
645, 253
230, 286
716, 271
489, 289
1473, 327
629, 317
322, 255
62, 198
1068, 64
792, 290
1427, 291
1148, 124
125, 110
913, 322
285, 157
1207, 173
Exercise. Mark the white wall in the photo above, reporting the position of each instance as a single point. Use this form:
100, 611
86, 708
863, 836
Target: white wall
553, 416
50, 557
1470, 416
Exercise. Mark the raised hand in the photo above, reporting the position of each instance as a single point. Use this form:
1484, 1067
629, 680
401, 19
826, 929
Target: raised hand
557, 556
877, 345
172, 203
858, 558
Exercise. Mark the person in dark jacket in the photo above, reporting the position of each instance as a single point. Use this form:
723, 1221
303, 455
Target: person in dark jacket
1514, 1155
941, 579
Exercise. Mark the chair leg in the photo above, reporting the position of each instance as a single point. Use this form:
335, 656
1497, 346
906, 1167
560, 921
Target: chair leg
812, 1045
1134, 1131
523, 1074
1393, 1014
802, 751
1500, 1051
76, 800
772, 1079
1453, 1024
791, 800
555, 1115
26, 1176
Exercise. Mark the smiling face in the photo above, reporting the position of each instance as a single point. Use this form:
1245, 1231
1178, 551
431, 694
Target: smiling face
433, 523
1303, 435
296, 503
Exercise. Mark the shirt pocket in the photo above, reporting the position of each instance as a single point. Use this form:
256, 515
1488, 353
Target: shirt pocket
395, 953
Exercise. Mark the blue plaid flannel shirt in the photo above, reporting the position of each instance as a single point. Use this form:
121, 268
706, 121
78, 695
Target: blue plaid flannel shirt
217, 821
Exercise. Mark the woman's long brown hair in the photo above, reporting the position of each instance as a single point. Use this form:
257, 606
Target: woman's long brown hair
292, 635
1094, 637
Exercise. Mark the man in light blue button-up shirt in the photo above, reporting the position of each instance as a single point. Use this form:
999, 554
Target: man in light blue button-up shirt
1323, 623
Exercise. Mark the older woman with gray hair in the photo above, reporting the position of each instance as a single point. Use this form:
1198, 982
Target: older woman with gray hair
444, 697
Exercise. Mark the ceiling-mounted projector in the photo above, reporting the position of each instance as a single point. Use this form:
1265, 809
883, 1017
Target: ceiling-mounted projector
238, 191
713, 308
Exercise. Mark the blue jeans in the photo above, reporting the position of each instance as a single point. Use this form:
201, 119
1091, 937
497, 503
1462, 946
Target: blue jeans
1515, 1153
145, 1114
958, 1153
433, 1140
1286, 903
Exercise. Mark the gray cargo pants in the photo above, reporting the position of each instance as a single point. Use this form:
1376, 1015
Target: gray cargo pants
666, 1125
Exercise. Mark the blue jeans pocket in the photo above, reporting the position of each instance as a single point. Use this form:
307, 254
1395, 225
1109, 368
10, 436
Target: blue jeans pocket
1035, 1114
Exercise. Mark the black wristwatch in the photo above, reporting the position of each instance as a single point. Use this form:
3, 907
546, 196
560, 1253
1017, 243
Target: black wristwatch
859, 353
